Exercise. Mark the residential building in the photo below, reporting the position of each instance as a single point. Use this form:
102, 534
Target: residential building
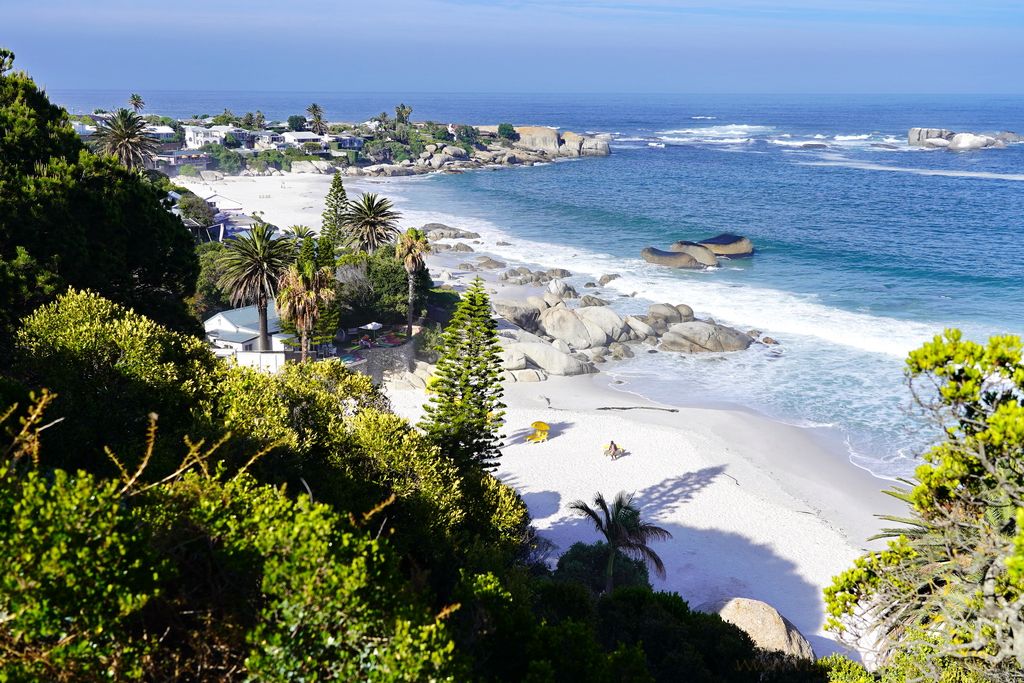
170, 162
238, 330
197, 136
160, 133
268, 139
298, 138
346, 141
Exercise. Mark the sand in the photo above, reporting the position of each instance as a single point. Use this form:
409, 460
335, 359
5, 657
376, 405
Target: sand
756, 508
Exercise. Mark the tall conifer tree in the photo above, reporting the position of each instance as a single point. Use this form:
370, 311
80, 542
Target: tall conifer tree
465, 412
332, 227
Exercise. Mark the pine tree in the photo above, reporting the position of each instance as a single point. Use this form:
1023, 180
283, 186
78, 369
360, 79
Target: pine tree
332, 228
465, 412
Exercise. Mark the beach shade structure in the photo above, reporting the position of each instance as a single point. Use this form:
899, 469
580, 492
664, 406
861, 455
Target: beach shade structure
540, 432
371, 328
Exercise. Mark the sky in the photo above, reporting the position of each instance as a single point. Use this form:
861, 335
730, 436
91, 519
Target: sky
537, 46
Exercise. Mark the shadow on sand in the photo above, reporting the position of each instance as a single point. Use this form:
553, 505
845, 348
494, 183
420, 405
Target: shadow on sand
706, 565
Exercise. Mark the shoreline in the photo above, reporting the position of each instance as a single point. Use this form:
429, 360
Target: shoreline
757, 507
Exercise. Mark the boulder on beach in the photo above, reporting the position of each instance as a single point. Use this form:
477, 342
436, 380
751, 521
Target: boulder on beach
529, 375
639, 327
699, 252
518, 314
551, 360
489, 263
728, 244
764, 624
587, 300
440, 231
552, 300
666, 312
537, 302
512, 359
698, 336
572, 327
561, 289
462, 246
671, 259
607, 320
605, 279
685, 312
559, 272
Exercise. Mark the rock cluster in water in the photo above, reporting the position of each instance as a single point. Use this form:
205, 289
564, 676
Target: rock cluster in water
959, 142
699, 255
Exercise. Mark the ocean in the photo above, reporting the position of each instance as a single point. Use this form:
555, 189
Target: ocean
866, 247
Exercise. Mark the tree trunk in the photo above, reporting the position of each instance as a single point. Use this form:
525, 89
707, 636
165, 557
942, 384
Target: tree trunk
412, 293
612, 552
304, 345
264, 344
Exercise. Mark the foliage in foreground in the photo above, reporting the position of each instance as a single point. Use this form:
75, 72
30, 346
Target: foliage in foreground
947, 591
71, 218
198, 574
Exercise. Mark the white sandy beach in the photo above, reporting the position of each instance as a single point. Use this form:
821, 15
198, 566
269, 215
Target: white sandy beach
756, 508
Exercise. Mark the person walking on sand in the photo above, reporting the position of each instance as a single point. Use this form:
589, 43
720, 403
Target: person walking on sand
613, 450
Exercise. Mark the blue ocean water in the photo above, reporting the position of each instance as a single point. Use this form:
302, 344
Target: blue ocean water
866, 247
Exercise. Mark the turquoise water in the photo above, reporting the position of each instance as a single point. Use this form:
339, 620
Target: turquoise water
866, 247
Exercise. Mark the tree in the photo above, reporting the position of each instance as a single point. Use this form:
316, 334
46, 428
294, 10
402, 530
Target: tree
332, 227
124, 136
507, 131
303, 288
370, 221
248, 121
316, 119
225, 118
624, 531
259, 121
402, 113
252, 266
412, 247
465, 411
467, 134
950, 583
210, 298
196, 208
136, 102
296, 122
71, 218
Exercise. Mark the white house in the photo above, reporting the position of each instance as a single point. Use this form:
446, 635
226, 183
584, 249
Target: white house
82, 129
238, 330
197, 136
268, 139
297, 138
161, 133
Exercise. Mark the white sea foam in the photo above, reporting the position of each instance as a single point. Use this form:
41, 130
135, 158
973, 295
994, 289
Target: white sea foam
866, 166
706, 141
706, 118
788, 143
730, 130
849, 138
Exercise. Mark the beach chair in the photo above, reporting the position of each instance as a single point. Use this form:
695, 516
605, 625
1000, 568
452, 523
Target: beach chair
540, 432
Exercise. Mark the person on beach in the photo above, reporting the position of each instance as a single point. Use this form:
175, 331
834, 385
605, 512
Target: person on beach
613, 451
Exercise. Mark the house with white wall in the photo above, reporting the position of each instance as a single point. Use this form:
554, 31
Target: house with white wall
237, 330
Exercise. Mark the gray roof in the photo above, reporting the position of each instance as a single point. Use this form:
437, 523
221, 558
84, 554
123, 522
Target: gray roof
236, 337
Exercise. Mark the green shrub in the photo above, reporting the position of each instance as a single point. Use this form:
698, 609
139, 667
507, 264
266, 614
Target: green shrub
296, 122
224, 160
587, 564
507, 131
197, 209
187, 170
110, 367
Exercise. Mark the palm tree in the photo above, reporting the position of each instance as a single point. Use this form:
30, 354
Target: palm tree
302, 289
136, 102
316, 119
370, 222
402, 113
412, 247
124, 136
252, 265
625, 532
299, 232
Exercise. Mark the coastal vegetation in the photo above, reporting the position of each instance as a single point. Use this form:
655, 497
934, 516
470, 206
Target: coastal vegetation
170, 516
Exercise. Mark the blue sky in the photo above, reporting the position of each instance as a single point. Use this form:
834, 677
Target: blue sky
706, 46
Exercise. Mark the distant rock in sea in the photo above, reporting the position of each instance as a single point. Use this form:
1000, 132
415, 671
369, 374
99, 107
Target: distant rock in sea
959, 142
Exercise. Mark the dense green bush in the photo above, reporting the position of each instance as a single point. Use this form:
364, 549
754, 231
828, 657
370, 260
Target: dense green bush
187, 170
111, 367
199, 577
296, 122
586, 564
70, 218
225, 160
507, 131
376, 287
210, 298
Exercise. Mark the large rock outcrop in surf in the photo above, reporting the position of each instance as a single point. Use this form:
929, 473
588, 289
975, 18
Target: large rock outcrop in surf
730, 245
698, 336
699, 252
919, 137
549, 141
672, 259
